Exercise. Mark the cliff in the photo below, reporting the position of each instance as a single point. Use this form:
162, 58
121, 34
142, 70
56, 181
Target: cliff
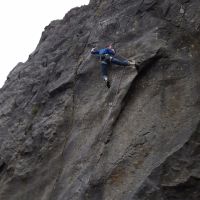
65, 136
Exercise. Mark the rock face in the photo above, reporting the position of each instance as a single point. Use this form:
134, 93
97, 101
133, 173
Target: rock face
65, 136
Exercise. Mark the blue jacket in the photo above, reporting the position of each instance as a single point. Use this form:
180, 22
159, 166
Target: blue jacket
103, 51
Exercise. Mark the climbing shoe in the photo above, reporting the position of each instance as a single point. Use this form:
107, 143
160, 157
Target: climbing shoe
131, 63
107, 83
105, 78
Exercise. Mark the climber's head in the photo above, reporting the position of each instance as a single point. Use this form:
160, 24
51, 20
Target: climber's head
109, 46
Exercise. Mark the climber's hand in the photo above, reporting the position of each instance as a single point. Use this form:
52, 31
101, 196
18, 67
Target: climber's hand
93, 49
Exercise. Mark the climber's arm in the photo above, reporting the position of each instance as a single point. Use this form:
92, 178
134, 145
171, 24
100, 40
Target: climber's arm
94, 51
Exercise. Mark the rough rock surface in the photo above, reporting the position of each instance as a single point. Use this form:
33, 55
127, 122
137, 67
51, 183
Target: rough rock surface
65, 136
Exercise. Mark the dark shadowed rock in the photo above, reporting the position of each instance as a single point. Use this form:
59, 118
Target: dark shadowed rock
65, 136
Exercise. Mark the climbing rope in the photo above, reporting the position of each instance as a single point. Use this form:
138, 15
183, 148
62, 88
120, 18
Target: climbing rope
115, 101
120, 79
118, 87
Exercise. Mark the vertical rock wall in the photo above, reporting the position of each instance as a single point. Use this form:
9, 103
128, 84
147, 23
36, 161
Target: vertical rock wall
64, 135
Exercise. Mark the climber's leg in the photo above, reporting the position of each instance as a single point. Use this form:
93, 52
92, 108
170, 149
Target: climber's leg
120, 62
104, 72
104, 69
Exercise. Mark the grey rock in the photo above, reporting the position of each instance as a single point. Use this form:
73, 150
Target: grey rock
65, 136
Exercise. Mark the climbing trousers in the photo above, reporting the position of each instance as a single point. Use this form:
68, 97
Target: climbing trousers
105, 64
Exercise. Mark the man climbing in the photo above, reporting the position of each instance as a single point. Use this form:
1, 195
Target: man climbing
106, 57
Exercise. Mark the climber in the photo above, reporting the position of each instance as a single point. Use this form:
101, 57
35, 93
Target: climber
106, 57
